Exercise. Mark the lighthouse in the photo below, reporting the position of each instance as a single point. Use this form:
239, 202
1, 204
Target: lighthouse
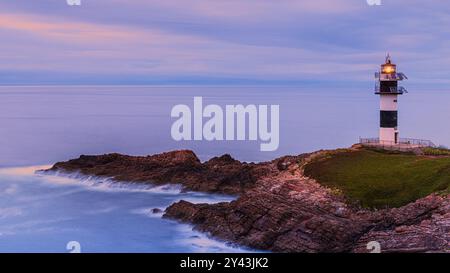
387, 87
389, 90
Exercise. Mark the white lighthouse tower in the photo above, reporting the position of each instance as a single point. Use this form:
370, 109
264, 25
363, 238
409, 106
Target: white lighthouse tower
388, 89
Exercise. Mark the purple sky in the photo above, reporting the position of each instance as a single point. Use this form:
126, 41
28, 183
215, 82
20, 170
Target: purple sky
324, 42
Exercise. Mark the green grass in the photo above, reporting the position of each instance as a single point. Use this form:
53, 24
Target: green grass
377, 180
436, 151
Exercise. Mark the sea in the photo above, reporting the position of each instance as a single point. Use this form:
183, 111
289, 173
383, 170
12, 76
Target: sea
41, 125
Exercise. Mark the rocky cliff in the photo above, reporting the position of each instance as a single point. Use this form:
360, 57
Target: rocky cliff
278, 208
220, 174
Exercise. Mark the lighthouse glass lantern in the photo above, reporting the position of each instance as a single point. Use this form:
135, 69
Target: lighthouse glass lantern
389, 90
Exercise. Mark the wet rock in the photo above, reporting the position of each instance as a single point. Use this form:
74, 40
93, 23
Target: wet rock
278, 208
223, 174
157, 211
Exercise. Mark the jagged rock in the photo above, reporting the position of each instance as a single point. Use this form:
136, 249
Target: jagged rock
156, 211
278, 209
422, 226
220, 174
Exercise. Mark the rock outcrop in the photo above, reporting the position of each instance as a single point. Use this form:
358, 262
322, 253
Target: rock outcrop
278, 208
422, 226
220, 174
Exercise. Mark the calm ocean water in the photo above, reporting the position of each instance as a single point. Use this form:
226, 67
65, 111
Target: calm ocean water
42, 125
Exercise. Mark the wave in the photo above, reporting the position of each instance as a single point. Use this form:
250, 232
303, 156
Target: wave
201, 242
150, 212
108, 183
90, 182
43, 201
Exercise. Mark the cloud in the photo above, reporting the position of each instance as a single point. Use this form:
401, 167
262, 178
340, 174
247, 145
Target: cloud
141, 41
10, 212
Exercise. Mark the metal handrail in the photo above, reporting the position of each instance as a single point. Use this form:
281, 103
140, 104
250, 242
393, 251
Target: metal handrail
402, 141
393, 90
390, 77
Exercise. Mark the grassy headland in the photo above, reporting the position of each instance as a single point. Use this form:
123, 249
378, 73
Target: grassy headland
381, 179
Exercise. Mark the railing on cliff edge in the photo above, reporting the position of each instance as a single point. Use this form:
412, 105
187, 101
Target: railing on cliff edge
402, 144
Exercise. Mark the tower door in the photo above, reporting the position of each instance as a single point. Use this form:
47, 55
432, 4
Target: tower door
396, 137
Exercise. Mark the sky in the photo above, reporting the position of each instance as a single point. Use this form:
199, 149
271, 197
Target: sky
256, 42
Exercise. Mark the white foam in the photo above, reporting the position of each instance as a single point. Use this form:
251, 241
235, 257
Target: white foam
108, 184
149, 212
209, 199
201, 242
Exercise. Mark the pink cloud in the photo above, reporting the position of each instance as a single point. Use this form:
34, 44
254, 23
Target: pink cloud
63, 31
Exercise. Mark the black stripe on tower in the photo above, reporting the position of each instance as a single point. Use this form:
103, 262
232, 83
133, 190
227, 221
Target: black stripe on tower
388, 119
